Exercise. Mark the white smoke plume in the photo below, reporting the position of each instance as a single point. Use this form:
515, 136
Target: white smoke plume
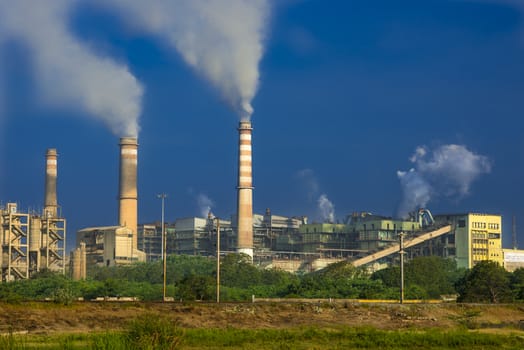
69, 73
449, 172
223, 40
326, 208
204, 204
416, 191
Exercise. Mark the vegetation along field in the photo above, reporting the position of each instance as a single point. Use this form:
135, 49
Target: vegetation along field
311, 311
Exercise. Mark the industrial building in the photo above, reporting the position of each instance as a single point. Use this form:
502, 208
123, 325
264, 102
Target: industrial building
15, 243
198, 236
150, 239
513, 259
32, 242
363, 237
268, 228
475, 237
109, 246
466, 238
116, 245
367, 239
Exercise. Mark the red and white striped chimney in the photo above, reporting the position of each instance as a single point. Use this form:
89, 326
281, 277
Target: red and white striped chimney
245, 191
51, 173
128, 194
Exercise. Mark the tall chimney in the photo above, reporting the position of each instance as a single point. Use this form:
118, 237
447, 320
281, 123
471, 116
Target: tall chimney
245, 191
50, 202
128, 198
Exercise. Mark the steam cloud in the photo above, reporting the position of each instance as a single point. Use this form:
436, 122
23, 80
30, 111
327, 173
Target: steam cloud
221, 39
449, 172
204, 204
325, 207
69, 73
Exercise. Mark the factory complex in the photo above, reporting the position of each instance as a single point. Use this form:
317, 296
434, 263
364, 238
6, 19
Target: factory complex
32, 242
293, 244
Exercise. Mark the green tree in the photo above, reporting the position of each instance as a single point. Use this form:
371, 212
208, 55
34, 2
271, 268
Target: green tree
197, 287
486, 282
424, 277
517, 284
434, 275
236, 270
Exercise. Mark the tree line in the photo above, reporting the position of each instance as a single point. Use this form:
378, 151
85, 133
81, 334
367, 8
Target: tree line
192, 278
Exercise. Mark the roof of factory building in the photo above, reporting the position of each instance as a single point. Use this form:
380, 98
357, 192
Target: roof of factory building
102, 228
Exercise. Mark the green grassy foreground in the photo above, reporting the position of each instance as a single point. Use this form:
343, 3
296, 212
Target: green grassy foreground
154, 333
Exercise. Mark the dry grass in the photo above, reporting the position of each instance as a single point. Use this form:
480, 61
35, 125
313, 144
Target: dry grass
42, 318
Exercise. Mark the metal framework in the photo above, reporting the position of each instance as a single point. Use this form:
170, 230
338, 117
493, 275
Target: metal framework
52, 251
15, 244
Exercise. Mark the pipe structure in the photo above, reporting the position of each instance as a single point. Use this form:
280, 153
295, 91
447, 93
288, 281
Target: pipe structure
128, 194
50, 201
245, 191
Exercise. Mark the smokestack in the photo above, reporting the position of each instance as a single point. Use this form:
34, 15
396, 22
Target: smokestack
245, 191
50, 202
128, 197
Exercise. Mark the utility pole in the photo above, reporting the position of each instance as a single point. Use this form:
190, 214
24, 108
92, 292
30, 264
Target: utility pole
218, 259
163, 196
401, 252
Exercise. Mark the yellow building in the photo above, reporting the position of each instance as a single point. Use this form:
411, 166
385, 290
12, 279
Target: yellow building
476, 237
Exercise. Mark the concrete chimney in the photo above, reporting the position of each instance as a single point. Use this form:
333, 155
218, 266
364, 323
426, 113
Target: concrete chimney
50, 202
128, 197
245, 191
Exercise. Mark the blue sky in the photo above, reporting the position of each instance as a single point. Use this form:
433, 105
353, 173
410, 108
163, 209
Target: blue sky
348, 90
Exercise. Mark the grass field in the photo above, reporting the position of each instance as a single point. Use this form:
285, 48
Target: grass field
154, 333
270, 325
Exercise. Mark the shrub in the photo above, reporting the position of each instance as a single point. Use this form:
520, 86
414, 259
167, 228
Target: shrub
150, 332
